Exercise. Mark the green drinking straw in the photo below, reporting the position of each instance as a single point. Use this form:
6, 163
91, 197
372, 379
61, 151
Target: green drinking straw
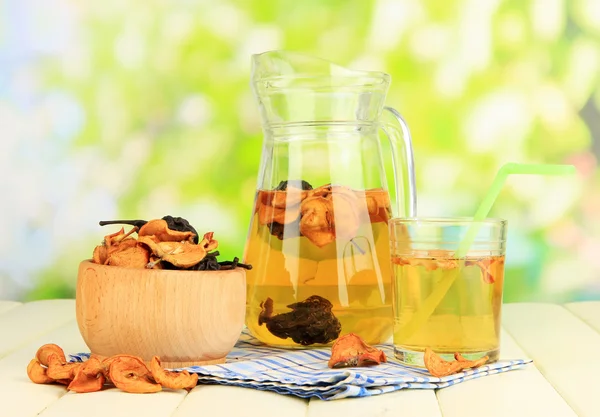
430, 304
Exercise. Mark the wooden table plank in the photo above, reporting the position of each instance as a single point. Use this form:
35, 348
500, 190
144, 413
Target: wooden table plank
116, 403
524, 392
227, 401
27, 322
564, 348
20, 396
7, 305
405, 403
588, 311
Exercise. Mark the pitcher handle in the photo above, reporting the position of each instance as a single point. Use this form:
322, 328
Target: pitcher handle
398, 134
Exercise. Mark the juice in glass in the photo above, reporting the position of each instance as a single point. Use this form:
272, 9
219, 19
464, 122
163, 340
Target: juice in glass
443, 302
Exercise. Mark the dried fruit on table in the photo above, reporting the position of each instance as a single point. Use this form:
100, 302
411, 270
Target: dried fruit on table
310, 321
170, 379
350, 350
44, 352
89, 377
60, 369
37, 373
439, 367
467, 363
130, 374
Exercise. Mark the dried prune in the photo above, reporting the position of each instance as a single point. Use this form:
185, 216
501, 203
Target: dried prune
180, 224
304, 185
310, 321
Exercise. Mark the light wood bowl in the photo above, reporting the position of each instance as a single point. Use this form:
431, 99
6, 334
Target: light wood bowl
184, 317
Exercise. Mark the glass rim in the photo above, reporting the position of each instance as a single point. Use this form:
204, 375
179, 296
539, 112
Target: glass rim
448, 220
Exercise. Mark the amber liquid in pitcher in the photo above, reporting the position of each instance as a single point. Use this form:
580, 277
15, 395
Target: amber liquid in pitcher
331, 242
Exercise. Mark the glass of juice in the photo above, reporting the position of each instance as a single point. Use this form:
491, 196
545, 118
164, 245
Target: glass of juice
441, 300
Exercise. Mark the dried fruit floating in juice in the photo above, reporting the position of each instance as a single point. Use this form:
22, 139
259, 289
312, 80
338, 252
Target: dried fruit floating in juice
310, 321
350, 350
294, 208
439, 367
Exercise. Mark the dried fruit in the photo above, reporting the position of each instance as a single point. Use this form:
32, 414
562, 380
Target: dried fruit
89, 377
439, 367
170, 379
37, 373
44, 352
59, 369
161, 232
310, 321
126, 372
350, 350
316, 222
132, 257
167, 243
304, 185
130, 374
466, 363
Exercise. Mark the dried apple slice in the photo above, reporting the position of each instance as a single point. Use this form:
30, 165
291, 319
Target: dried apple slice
59, 369
37, 373
439, 367
160, 230
130, 374
44, 352
170, 379
350, 350
89, 377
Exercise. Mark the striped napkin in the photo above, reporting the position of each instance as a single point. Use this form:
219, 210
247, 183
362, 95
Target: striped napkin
304, 373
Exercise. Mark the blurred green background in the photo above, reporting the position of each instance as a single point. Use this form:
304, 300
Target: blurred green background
143, 108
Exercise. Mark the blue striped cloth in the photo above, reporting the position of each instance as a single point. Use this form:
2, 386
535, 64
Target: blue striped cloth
304, 373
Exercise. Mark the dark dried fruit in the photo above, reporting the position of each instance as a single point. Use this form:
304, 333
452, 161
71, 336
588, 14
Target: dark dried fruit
310, 321
303, 185
174, 223
180, 224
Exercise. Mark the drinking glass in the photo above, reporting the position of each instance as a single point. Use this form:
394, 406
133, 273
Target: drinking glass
440, 300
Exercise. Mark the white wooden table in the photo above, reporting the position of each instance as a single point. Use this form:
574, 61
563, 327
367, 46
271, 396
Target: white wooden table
564, 342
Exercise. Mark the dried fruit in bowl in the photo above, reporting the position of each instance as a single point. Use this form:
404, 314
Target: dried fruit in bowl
167, 243
350, 350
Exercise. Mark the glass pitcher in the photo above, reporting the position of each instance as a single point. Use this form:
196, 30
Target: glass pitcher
318, 239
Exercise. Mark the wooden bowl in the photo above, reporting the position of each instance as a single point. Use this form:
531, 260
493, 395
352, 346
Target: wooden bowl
184, 317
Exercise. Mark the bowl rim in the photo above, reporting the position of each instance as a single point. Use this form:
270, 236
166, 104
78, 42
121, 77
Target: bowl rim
163, 271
